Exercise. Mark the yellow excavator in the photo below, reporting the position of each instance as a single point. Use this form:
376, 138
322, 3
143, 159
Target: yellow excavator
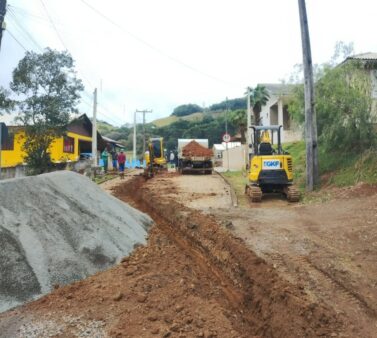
270, 168
154, 156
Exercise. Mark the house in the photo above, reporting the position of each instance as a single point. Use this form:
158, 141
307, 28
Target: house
275, 112
368, 65
68, 148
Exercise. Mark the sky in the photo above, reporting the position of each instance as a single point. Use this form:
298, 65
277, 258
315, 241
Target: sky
157, 55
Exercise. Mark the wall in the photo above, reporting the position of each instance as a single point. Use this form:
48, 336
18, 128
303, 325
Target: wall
12, 158
236, 158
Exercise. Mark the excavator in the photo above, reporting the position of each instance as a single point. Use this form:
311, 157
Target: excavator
154, 157
270, 168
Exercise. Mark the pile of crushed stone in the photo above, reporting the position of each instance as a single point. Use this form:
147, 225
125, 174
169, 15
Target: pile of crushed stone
57, 228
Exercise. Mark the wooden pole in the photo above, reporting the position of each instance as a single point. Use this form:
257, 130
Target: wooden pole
94, 129
312, 173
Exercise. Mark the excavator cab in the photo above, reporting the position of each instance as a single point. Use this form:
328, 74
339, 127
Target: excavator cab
155, 156
270, 168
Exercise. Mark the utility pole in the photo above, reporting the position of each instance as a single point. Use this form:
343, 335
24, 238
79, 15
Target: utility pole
248, 135
134, 140
226, 132
312, 172
3, 10
145, 111
94, 129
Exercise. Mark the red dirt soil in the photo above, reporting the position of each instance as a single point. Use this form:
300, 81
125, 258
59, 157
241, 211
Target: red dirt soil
195, 149
193, 279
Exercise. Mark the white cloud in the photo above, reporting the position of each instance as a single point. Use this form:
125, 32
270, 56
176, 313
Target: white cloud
180, 46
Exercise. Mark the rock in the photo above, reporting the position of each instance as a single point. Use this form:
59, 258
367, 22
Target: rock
229, 225
152, 318
141, 298
179, 308
118, 297
155, 330
166, 334
192, 226
174, 327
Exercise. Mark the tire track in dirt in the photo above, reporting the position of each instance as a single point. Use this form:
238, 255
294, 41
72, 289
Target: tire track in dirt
325, 282
250, 286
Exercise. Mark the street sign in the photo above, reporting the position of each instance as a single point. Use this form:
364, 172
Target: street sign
226, 138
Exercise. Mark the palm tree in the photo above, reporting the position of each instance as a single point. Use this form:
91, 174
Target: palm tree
258, 98
238, 118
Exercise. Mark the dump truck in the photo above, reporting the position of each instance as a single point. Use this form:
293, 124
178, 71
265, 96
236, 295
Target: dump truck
194, 156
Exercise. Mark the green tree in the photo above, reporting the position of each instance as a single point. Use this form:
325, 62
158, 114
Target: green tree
187, 109
259, 98
6, 104
232, 104
50, 91
239, 120
344, 109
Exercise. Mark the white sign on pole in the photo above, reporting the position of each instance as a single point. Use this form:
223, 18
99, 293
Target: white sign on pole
226, 138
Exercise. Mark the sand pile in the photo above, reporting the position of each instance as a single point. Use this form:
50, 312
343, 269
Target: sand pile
57, 228
195, 149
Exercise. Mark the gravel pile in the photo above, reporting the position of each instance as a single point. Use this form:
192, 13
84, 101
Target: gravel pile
195, 149
58, 228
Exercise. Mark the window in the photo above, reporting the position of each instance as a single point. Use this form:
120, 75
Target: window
8, 143
68, 144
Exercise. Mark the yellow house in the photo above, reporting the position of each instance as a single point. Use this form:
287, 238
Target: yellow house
78, 140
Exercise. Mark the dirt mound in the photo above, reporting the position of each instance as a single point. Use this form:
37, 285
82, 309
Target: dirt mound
193, 279
195, 149
58, 228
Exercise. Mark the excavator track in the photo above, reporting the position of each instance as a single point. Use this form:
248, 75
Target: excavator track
293, 195
254, 192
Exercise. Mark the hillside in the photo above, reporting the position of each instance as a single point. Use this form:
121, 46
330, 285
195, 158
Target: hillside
336, 169
165, 121
195, 117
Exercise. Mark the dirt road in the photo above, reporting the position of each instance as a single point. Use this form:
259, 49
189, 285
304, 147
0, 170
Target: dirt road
327, 249
305, 271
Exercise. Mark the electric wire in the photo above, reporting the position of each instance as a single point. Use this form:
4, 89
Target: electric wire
156, 49
53, 24
61, 39
14, 38
26, 34
65, 46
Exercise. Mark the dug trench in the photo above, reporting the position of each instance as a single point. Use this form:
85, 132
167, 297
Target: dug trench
255, 300
191, 279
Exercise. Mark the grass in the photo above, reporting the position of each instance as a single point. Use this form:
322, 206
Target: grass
336, 169
104, 178
238, 181
172, 118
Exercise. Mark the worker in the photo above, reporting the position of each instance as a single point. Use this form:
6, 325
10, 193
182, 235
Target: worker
122, 163
114, 157
105, 159
172, 157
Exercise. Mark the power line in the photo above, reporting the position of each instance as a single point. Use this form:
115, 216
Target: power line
53, 25
61, 39
10, 33
154, 47
29, 37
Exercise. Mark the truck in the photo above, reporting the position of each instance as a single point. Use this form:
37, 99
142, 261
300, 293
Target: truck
194, 156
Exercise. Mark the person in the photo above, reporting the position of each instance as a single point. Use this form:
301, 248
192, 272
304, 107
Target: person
122, 163
114, 157
172, 157
105, 159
